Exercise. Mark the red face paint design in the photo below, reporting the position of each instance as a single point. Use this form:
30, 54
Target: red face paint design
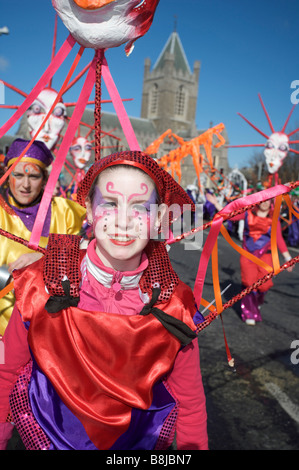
122, 218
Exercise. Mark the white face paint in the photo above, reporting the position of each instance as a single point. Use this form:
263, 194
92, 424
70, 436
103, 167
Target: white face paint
99, 27
37, 113
276, 150
81, 152
101, 24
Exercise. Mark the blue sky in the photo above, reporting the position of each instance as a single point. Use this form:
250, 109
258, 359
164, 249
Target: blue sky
245, 48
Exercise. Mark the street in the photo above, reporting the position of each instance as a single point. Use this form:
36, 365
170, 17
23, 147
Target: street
254, 406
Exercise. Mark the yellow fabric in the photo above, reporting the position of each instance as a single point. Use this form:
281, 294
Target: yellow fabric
66, 217
27, 159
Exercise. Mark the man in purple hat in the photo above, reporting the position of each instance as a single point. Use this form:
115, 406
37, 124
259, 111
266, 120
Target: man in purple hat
19, 204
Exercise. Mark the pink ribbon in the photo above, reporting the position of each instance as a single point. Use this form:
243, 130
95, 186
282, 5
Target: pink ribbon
219, 218
61, 156
119, 107
43, 81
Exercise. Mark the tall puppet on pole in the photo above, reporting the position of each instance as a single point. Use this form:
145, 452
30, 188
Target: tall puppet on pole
276, 147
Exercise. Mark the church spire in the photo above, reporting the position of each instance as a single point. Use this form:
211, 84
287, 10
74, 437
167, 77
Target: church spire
175, 23
174, 47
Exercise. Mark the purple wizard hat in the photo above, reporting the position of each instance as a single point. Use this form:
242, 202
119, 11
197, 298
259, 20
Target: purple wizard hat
37, 153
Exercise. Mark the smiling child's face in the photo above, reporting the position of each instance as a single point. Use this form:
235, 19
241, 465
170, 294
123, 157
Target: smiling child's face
121, 216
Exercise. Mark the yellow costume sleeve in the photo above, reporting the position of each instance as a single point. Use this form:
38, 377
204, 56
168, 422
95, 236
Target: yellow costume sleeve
66, 217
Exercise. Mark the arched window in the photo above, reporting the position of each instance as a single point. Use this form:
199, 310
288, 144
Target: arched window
153, 104
180, 101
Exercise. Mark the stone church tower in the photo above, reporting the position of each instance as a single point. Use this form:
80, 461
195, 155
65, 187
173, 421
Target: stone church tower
170, 90
169, 100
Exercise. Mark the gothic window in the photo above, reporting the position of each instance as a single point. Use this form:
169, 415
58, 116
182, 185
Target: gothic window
153, 104
180, 101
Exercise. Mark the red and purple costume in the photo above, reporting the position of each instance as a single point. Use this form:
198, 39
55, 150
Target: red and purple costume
257, 240
100, 359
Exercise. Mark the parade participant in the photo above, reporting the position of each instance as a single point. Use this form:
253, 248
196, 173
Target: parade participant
19, 204
80, 151
293, 228
257, 240
114, 359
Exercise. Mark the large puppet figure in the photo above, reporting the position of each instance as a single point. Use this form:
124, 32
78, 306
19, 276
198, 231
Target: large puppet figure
277, 145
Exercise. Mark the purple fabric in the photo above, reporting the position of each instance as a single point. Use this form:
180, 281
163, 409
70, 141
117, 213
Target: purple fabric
28, 216
208, 210
198, 318
293, 234
67, 433
249, 307
38, 150
255, 246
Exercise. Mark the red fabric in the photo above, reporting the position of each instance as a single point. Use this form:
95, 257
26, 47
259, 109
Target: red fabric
252, 272
184, 379
6, 430
186, 383
16, 355
281, 244
109, 379
258, 225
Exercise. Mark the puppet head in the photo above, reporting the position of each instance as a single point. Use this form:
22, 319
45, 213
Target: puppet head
38, 111
81, 152
278, 143
101, 24
276, 150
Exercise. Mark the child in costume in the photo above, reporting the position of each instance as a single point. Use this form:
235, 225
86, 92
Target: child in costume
19, 204
257, 240
105, 353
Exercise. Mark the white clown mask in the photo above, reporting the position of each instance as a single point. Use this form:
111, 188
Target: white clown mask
37, 113
101, 24
276, 150
81, 152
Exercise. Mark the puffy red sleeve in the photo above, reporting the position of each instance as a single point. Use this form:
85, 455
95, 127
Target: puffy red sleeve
15, 354
185, 382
